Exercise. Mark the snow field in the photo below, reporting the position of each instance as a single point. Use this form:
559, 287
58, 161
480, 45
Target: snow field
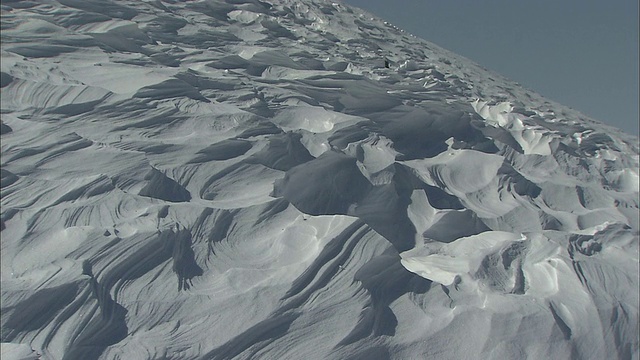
244, 179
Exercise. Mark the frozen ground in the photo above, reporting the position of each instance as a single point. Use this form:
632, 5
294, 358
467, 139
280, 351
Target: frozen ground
245, 179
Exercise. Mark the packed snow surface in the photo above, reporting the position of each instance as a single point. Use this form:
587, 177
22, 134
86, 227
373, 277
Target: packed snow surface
245, 179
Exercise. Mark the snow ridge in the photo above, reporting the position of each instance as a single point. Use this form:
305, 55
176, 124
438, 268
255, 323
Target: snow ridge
245, 179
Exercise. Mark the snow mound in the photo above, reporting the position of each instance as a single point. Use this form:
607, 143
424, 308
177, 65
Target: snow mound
313, 119
532, 139
459, 257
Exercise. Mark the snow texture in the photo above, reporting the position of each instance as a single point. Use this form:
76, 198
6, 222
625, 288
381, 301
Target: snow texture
246, 179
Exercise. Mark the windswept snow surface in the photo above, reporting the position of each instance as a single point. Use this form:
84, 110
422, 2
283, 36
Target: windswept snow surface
245, 179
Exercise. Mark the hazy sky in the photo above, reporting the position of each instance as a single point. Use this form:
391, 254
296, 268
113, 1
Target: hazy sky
580, 53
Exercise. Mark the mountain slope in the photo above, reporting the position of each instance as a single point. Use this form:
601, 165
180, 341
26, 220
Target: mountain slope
245, 179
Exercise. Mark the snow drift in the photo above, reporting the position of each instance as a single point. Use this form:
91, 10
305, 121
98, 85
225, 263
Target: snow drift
245, 179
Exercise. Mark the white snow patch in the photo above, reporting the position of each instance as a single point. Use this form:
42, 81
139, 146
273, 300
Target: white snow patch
460, 257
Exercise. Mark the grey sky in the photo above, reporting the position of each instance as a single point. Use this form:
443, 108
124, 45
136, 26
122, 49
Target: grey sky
580, 53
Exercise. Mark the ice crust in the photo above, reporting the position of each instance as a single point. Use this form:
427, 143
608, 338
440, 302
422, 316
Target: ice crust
245, 179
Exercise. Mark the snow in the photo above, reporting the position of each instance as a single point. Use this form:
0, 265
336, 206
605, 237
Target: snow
245, 179
447, 262
14, 351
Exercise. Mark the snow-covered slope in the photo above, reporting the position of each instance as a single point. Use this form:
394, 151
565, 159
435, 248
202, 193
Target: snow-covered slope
245, 179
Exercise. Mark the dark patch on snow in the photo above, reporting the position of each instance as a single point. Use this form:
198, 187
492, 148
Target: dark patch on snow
37, 310
5, 79
162, 187
283, 152
327, 185
566, 330
223, 150
7, 178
